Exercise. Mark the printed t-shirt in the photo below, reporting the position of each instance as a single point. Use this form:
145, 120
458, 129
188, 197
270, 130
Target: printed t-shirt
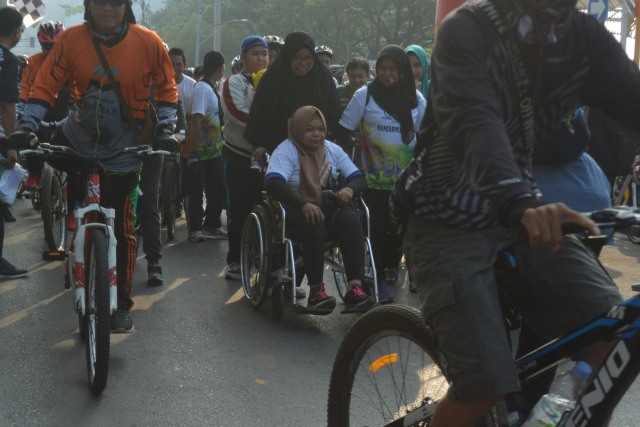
205, 102
381, 153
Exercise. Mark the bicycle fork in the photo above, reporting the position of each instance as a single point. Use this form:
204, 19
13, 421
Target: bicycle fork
78, 262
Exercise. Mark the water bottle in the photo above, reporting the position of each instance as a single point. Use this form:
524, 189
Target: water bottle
561, 397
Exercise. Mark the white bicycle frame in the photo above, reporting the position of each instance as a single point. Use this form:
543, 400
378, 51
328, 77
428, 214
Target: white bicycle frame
76, 259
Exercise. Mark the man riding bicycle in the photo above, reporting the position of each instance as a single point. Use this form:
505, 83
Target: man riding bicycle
505, 72
98, 122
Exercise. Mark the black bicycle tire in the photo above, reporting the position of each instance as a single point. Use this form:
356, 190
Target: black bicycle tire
49, 182
98, 251
266, 280
169, 189
380, 322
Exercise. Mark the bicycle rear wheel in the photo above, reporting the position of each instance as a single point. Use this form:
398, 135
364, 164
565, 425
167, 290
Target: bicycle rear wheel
169, 197
384, 371
97, 315
53, 210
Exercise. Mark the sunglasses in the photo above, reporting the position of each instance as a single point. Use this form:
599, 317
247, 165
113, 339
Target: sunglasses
114, 3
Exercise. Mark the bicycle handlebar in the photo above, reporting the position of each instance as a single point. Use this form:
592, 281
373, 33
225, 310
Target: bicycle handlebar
53, 125
617, 217
45, 149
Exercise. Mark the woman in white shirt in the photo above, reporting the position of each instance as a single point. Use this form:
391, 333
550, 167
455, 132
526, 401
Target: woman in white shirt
388, 113
300, 169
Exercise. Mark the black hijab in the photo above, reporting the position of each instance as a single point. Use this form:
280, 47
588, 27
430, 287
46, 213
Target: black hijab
280, 93
399, 99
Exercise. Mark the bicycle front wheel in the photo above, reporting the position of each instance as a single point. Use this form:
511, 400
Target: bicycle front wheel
53, 210
384, 371
97, 315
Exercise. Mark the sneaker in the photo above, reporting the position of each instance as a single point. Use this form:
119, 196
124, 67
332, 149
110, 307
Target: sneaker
390, 276
10, 271
318, 298
412, 287
384, 295
121, 322
197, 236
154, 275
232, 271
357, 297
8, 215
217, 233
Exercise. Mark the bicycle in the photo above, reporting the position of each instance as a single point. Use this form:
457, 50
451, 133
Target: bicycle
48, 193
53, 199
625, 192
91, 259
386, 372
169, 191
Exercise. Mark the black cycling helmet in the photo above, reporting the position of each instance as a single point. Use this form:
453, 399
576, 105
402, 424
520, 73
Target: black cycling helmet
324, 49
48, 33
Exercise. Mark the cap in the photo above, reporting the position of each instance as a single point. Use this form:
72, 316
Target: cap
212, 61
251, 42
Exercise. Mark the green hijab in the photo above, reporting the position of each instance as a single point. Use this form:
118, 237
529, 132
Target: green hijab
424, 60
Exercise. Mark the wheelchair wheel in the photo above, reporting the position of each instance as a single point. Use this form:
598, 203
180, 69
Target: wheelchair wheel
339, 275
255, 260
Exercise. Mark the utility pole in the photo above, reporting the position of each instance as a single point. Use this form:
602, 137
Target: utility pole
198, 34
217, 18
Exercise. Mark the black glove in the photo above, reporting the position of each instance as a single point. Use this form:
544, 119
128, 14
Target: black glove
21, 140
166, 142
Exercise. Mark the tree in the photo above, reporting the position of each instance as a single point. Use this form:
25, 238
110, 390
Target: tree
349, 27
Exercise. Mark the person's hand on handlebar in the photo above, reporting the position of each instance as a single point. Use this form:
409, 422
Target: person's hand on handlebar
312, 214
19, 140
544, 224
166, 142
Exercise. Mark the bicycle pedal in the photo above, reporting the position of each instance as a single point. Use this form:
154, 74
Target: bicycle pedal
54, 255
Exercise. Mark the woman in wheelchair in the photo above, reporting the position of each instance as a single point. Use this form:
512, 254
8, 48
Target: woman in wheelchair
303, 175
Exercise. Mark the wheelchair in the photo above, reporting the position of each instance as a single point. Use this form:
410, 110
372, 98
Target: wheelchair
271, 260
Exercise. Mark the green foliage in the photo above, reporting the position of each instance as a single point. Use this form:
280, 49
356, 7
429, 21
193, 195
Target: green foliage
349, 27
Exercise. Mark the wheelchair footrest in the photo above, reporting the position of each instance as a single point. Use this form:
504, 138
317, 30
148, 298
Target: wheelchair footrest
301, 309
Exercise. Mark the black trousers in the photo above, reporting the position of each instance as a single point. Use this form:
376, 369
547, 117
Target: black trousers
341, 224
148, 212
385, 242
243, 190
207, 178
